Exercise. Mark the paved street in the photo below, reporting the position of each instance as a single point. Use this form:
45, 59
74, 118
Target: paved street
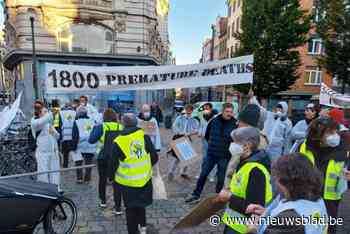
161, 216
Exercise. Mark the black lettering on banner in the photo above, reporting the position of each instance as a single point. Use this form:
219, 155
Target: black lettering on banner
120, 79
232, 68
92, 84
205, 72
110, 78
224, 69
249, 67
143, 78
240, 68
154, 78
54, 77
132, 79
173, 76
79, 80
65, 79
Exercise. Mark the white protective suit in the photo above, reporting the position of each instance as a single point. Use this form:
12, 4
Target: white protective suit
154, 138
298, 135
46, 154
277, 130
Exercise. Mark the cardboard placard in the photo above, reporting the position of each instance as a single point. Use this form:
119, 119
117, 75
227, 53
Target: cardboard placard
201, 213
149, 127
183, 149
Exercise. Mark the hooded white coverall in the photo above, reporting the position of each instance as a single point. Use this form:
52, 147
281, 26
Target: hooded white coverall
46, 154
277, 130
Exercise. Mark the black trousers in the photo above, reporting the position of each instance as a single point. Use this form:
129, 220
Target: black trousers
88, 160
134, 218
103, 174
66, 148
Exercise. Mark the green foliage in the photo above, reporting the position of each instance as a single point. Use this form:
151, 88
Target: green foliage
271, 30
334, 29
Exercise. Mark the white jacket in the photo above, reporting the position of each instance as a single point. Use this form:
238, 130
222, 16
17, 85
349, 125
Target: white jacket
277, 130
155, 138
46, 142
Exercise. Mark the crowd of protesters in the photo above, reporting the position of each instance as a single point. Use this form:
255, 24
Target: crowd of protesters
263, 165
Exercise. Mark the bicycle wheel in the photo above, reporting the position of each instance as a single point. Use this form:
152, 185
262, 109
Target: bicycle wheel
61, 218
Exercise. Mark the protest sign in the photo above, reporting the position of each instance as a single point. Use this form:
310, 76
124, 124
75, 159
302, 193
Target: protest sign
329, 97
183, 149
76, 79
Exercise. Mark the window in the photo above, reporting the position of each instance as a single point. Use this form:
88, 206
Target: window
315, 46
84, 38
238, 3
313, 75
232, 52
238, 22
229, 10
228, 31
233, 6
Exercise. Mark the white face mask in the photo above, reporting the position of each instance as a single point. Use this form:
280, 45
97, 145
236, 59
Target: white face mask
236, 149
333, 140
279, 114
147, 114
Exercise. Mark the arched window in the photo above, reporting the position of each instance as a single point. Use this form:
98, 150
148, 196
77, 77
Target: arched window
84, 38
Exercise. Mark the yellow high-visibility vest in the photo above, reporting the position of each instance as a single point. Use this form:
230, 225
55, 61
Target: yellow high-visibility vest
56, 121
238, 187
136, 169
333, 173
107, 126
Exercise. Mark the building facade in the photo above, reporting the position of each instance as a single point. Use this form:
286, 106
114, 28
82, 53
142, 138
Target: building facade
84, 32
234, 16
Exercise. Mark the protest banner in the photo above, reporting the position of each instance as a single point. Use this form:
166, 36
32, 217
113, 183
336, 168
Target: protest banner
75, 78
329, 97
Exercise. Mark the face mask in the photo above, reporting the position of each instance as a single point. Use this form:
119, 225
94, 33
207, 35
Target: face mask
236, 149
206, 112
333, 140
147, 114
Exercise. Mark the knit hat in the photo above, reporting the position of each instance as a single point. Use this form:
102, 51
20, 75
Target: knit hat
250, 115
337, 115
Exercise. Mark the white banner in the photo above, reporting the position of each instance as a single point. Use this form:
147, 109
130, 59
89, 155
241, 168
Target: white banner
329, 97
74, 78
8, 114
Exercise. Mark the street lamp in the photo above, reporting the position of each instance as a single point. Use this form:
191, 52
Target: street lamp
31, 11
211, 57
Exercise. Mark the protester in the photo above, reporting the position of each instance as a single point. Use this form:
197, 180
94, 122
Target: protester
82, 128
251, 183
299, 131
156, 112
68, 115
219, 139
92, 111
277, 128
46, 153
248, 117
98, 134
57, 120
146, 116
208, 114
134, 156
184, 125
300, 186
325, 149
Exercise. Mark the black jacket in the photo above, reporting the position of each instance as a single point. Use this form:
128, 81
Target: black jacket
255, 190
132, 197
218, 136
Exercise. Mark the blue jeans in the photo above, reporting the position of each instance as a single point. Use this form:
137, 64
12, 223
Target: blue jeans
205, 155
208, 164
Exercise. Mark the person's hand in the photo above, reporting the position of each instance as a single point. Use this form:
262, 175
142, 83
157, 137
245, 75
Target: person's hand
224, 196
255, 209
347, 174
253, 227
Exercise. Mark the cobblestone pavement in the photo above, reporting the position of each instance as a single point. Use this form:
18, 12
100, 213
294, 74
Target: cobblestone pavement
161, 216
